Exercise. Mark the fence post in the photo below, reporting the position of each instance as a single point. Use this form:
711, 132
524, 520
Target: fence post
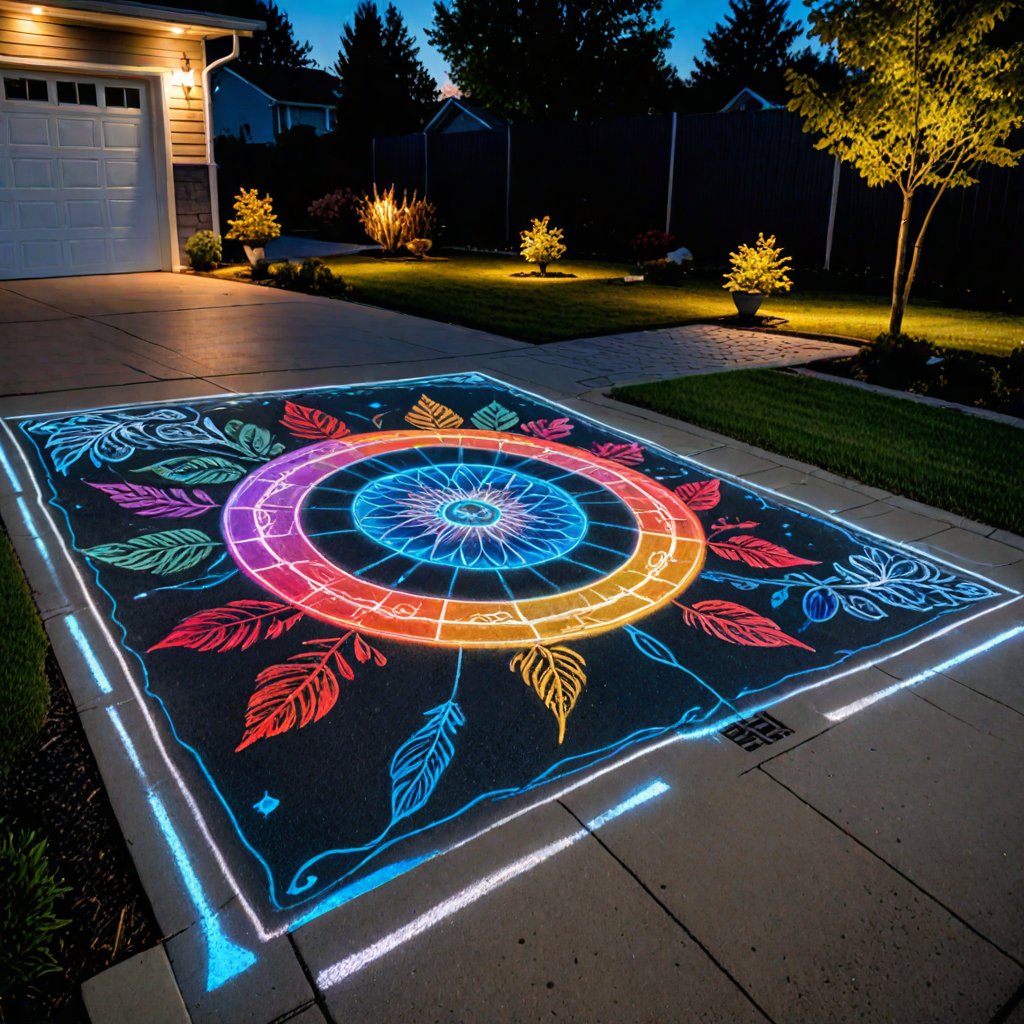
832, 215
671, 175
373, 160
508, 183
426, 157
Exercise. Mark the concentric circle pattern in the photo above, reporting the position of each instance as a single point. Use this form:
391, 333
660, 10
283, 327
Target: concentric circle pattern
478, 517
560, 543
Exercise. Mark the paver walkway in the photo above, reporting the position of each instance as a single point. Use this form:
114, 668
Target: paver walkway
657, 355
867, 866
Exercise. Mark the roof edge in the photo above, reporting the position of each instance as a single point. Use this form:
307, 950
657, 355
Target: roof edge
147, 12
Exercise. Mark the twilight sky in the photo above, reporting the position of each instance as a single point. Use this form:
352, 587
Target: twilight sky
321, 22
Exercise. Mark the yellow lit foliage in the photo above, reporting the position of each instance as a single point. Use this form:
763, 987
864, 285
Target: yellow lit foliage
542, 244
255, 222
392, 225
761, 268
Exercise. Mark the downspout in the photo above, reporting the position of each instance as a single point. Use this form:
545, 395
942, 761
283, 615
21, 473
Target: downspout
208, 115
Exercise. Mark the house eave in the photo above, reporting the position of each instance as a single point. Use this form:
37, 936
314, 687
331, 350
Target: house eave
131, 16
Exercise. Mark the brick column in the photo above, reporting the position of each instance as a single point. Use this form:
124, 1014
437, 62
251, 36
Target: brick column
192, 205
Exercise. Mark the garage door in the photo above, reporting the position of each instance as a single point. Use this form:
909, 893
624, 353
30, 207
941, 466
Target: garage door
77, 177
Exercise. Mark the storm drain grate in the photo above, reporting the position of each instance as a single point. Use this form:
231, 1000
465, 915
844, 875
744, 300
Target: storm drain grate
757, 731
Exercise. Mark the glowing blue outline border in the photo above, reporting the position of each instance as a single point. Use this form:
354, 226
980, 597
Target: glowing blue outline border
472, 378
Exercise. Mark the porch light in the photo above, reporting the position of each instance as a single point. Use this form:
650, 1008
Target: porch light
37, 11
185, 76
178, 31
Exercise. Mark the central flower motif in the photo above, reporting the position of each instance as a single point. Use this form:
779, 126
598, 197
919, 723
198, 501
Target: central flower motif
470, 516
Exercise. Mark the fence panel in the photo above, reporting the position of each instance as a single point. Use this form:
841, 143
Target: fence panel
466, 182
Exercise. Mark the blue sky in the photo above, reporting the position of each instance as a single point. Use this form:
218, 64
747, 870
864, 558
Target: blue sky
321, 23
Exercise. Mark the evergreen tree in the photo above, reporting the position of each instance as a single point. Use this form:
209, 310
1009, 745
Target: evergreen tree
277, 46
752, 47
384, 87
557, 59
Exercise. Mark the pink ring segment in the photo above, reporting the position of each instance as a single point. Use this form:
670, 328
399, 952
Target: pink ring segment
263, 530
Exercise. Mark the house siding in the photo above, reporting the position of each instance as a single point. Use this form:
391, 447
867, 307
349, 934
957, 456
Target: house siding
46, 39
236, 103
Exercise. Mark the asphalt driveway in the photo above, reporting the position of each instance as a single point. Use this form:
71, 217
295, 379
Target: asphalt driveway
860, 857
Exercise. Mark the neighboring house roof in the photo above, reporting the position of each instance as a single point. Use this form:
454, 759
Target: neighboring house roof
747, 99
307, 86
453, 106
116, 12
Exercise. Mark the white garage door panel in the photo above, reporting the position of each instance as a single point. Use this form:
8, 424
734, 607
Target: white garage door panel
78, 190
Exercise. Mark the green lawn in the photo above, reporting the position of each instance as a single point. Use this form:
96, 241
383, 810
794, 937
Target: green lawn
941, 457
479, 291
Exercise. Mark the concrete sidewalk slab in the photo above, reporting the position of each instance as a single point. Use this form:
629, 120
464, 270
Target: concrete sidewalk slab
140, 989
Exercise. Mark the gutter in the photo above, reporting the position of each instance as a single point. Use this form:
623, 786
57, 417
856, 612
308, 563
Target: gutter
208, 114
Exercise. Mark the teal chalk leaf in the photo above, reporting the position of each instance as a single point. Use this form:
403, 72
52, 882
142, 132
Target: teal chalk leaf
421, 760
494, 417
196, 469
164, 553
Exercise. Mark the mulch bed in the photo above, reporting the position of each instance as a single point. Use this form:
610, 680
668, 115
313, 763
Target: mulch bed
57, 792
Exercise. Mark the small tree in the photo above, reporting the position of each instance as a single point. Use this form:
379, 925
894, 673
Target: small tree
759, 268
927, 99
541, 244
255, 222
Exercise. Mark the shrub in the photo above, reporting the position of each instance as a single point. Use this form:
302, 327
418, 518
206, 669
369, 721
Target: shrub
313, 277
964, 377
28, 922
204, 250
254, 224
335, 206
390, 224
893, 360
759, 268
664, 271
24, 688
419, 247
542, 244
651, 245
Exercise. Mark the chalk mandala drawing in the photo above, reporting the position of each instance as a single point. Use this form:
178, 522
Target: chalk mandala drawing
373, 612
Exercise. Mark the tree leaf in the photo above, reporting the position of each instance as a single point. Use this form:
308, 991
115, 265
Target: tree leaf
430, 415
196, 469
294, 693
238, 624
548, 430
495, 417
156, 501
761, 554
421, 760
557, 675
252, 440
631, 454
737, 625
303, 421
701, 495
170, 551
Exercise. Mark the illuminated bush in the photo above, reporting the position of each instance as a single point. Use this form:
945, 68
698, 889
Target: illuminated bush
761, 268
392, 225
542, 244
203, 250
255, 223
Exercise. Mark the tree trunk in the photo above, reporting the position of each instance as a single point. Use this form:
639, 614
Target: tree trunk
543, 268
899, 275
918, 243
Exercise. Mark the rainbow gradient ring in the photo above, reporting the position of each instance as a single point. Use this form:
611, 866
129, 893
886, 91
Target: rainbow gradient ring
263, 531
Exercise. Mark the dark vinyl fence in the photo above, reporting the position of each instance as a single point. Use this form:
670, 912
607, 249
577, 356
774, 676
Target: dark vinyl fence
728, 177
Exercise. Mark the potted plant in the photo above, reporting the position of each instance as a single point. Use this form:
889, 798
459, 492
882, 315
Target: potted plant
255, 223
757, 272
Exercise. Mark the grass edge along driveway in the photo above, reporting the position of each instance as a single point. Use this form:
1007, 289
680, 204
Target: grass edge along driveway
481, 292
941, 457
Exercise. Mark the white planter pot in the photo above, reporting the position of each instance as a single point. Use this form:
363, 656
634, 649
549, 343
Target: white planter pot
748, 303
253, 253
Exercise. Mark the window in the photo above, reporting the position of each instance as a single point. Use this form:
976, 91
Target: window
26, 89
81, 93
116, 96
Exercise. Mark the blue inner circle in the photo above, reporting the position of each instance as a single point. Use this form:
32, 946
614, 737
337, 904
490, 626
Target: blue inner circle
470, 516
467, 512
